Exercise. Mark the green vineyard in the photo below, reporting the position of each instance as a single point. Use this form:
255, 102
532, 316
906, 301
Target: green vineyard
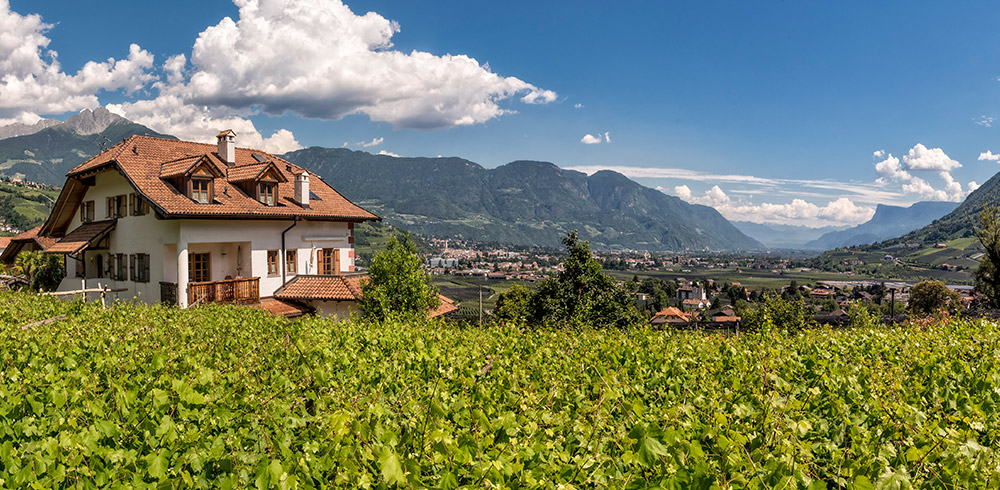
230, 397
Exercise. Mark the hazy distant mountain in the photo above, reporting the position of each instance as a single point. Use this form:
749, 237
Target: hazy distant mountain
21, 129
783, 236
523, 202
888, 222
46, 155
960, 222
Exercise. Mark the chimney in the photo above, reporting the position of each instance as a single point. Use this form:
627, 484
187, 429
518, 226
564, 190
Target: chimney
227, 146
302, 189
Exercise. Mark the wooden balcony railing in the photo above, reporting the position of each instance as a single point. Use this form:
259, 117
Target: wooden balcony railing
227, 291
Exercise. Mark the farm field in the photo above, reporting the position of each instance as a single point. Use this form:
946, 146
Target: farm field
751, 278
231, 397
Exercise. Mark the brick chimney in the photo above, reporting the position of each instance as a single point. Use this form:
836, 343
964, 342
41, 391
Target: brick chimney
302, 189
227, 146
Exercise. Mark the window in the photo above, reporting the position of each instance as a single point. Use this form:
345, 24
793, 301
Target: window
140, 267
290, 261
272, 262
329, 261
198, 268
87, 212
99, 263
201, 190
121, 267
117, 206
266, 193
138, 205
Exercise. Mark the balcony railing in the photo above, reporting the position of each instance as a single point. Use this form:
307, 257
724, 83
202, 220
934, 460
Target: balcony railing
227, 291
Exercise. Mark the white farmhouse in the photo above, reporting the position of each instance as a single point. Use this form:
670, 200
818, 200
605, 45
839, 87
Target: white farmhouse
186, 223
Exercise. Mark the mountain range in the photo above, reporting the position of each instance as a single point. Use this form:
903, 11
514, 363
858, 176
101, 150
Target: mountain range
960, 222
521, 203
888, 222
48, 153
783, 236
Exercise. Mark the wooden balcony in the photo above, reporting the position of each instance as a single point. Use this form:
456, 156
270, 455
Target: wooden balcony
227, 291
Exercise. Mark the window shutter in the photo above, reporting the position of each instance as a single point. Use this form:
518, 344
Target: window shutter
336, 261
145, 267
132, 258
109, 207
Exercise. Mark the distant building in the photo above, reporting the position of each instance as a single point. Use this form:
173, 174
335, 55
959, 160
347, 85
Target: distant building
687, 292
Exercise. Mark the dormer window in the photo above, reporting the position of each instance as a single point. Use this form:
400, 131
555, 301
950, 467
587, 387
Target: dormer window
201, 190
266, 192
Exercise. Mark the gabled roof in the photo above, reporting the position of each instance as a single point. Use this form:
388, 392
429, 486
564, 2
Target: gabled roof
340, 288
253, 172
80, 238
186, 166
323, 288
287, 309
140, 159
20, 241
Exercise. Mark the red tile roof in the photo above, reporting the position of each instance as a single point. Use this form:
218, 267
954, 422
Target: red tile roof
447, 306
324, 288
289, 309
81, 237
18, 242
340, 288
4, 241
141, 158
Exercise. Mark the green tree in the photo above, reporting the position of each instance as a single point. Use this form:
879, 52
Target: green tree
396, 284
582, 293
776, 312
514, 304
928, 297
44, 271
987, 276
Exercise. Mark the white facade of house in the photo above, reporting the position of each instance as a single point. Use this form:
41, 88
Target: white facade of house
237, 248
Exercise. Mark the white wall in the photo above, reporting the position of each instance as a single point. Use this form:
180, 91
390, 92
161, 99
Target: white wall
339, 310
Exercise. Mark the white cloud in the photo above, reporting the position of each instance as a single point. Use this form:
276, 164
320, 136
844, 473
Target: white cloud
373, 142
972, 186
171, 115
32, 81
578, 106
838, 211
985, 121
318, 59
389, 154
878, 153
922, 158
989, 156
589, 139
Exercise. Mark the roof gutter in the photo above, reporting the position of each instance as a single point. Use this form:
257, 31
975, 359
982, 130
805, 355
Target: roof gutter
284, 253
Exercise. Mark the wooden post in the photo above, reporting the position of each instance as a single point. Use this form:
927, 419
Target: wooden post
480, 305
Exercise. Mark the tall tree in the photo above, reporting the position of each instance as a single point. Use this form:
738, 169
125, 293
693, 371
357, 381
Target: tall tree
396, 284
988, 275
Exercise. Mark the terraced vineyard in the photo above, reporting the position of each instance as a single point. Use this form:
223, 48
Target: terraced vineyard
230, 397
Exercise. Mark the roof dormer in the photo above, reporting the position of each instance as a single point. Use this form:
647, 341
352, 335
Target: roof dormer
259, 180
194, 176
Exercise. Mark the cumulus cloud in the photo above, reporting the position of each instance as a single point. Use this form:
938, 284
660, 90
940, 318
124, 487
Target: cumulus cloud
589, 139
312, 58
33, 82
988, 156
578, 106
318, 59
388, 154
840, 211
373, 142
922, 158
172, 115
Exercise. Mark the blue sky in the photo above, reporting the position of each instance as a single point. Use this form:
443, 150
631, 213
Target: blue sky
785, 112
